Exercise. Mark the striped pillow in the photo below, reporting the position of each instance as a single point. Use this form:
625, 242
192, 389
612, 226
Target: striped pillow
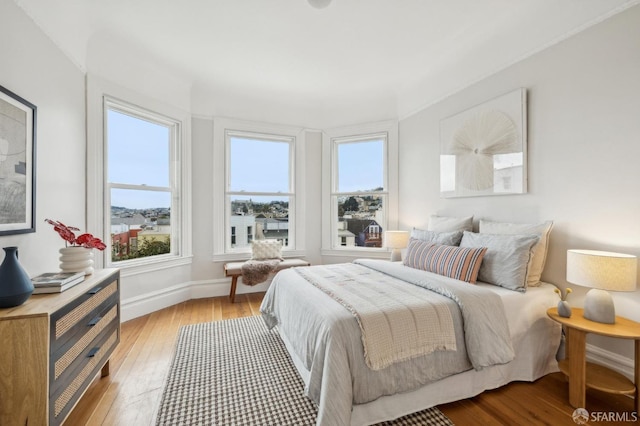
461, 263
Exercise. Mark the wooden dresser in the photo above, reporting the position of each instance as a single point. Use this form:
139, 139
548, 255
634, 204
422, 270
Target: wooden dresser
53, 346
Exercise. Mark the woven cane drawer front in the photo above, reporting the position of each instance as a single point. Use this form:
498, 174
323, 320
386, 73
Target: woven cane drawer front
83, 334
71, 322
70, 386
63, 360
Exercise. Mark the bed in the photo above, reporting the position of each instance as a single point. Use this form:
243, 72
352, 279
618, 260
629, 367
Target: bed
501, 335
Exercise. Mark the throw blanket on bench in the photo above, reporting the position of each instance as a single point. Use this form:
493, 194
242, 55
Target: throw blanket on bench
257, 271
397, 321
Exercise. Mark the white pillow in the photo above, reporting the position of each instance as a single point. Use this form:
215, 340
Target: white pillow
506, 260
449, 224
266, 249
444, 238
539, 251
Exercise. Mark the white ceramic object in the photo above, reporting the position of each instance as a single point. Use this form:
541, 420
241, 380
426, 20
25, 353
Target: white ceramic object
564, 310
598, 306
76, 259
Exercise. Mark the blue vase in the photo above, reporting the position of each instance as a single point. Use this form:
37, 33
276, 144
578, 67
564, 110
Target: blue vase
15, 284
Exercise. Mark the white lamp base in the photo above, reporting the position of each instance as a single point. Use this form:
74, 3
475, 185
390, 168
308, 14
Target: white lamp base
396, 255
598, 306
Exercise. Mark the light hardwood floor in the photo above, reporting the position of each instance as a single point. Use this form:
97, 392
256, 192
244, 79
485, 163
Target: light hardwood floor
131, 394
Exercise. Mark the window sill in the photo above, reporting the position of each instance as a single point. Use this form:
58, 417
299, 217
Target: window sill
151, 265
241, 256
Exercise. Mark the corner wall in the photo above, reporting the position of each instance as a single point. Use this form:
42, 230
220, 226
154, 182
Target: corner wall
35, 69
583, 149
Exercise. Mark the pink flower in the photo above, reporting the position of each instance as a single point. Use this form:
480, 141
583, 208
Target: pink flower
83, 240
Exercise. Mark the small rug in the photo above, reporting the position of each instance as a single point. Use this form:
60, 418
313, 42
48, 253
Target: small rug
236, 372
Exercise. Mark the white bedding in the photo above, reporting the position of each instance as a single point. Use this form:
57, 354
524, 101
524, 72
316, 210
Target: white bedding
535, 340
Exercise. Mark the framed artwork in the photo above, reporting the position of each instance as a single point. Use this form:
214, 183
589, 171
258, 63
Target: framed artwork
483, 150
17, 164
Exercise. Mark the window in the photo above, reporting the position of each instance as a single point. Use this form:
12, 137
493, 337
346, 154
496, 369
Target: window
256, 187
360, 195
360, 188
142, 196
260, 197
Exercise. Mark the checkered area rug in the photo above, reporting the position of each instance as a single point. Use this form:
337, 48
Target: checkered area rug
236, 372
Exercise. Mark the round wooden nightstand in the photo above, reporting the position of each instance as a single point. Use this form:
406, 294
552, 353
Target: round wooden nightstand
584, 375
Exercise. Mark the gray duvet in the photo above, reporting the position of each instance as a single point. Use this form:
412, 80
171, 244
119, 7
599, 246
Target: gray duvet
326, 338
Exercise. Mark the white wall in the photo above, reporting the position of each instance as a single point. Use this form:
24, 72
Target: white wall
35, 69
584, 142
584, 146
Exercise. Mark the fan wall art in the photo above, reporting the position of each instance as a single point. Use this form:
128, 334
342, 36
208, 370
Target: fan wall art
484, 149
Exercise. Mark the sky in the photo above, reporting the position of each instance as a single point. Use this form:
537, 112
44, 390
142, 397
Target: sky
139, 154
360, 166
259, 166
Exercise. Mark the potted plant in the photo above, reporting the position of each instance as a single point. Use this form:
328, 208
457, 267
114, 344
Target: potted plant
77, 255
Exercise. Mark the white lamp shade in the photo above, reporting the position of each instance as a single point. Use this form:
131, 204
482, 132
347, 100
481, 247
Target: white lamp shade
396, 239
602, 269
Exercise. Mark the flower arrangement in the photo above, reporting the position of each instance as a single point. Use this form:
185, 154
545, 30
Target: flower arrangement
559, 292
564, 310
69, 237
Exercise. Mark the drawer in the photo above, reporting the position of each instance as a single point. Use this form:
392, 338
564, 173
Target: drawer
66, 360
66, 390
71, 322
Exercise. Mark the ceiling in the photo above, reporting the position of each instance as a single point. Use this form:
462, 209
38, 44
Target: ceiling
370, 59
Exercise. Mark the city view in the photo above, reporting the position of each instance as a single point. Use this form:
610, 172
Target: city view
146, 232
139, 233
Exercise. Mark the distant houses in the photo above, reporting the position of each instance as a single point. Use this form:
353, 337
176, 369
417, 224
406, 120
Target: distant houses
247, 227
129, 233
351, 232
364, 232
133, 229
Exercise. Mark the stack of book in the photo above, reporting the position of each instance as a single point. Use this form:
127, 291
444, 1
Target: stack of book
56, 282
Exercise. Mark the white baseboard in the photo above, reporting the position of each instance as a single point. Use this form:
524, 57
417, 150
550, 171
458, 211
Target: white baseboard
612, 360
138, 306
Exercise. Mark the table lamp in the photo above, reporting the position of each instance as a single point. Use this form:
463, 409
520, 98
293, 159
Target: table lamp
396, 240
602, 271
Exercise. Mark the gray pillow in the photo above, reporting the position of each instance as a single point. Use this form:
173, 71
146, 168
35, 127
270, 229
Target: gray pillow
538, 252
443, 238
450, 223
505, 263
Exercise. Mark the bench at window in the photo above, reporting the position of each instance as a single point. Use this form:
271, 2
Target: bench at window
234, 270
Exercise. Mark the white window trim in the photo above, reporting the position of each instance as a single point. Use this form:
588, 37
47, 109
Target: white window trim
221, 127
98, 213
291, 141
329, 176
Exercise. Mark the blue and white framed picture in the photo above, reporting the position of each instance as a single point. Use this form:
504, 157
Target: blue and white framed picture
17, 164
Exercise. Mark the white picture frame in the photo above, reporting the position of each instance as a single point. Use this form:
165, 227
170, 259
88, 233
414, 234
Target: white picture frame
483, 150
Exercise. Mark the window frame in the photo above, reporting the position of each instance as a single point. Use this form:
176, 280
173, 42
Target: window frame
388, 131
224, 128
102, 93
173, 190
290, 140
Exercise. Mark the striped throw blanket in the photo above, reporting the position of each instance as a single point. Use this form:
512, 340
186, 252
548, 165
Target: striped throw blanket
397, 319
